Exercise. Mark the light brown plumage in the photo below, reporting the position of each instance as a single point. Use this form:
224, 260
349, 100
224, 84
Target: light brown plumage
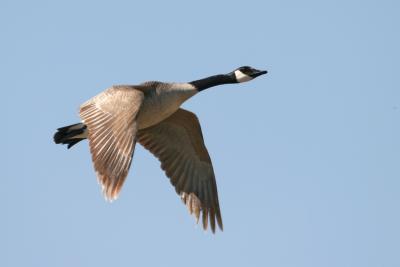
178, 143
150, 112
111, 121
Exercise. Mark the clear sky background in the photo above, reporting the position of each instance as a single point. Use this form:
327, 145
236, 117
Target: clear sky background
306, 157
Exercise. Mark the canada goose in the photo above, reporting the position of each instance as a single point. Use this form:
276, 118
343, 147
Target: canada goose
150, 113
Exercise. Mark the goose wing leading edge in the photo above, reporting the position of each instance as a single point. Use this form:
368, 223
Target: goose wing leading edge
110, 118
178, 143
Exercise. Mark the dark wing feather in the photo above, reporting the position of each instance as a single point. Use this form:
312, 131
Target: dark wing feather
178, 143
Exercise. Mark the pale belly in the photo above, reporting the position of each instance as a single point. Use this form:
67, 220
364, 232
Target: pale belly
158, 107
150, 115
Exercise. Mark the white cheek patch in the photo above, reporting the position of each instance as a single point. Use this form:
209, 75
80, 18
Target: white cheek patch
241, 77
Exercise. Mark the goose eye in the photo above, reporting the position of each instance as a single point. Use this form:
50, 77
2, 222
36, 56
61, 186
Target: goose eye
246, 70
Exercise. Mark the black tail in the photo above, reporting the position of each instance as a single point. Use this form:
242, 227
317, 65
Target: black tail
70, 135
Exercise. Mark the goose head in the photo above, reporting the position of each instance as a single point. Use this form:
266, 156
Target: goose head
242, 74
246, 73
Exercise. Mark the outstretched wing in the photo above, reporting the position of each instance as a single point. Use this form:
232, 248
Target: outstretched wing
111, 121
178, 143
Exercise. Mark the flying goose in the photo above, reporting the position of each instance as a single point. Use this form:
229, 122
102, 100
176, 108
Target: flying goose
150, 113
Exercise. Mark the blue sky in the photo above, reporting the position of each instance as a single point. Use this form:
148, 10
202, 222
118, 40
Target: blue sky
306, 157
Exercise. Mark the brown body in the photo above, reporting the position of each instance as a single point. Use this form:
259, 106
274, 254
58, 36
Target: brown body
150, 114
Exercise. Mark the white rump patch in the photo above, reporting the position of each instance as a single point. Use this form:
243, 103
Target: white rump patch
241, 77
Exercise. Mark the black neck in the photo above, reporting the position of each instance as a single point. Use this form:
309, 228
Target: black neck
213, 81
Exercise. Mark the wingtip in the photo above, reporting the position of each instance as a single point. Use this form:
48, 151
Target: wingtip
110, 196
110, 199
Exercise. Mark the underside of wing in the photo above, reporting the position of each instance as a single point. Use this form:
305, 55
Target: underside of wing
111, 121
178, 143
